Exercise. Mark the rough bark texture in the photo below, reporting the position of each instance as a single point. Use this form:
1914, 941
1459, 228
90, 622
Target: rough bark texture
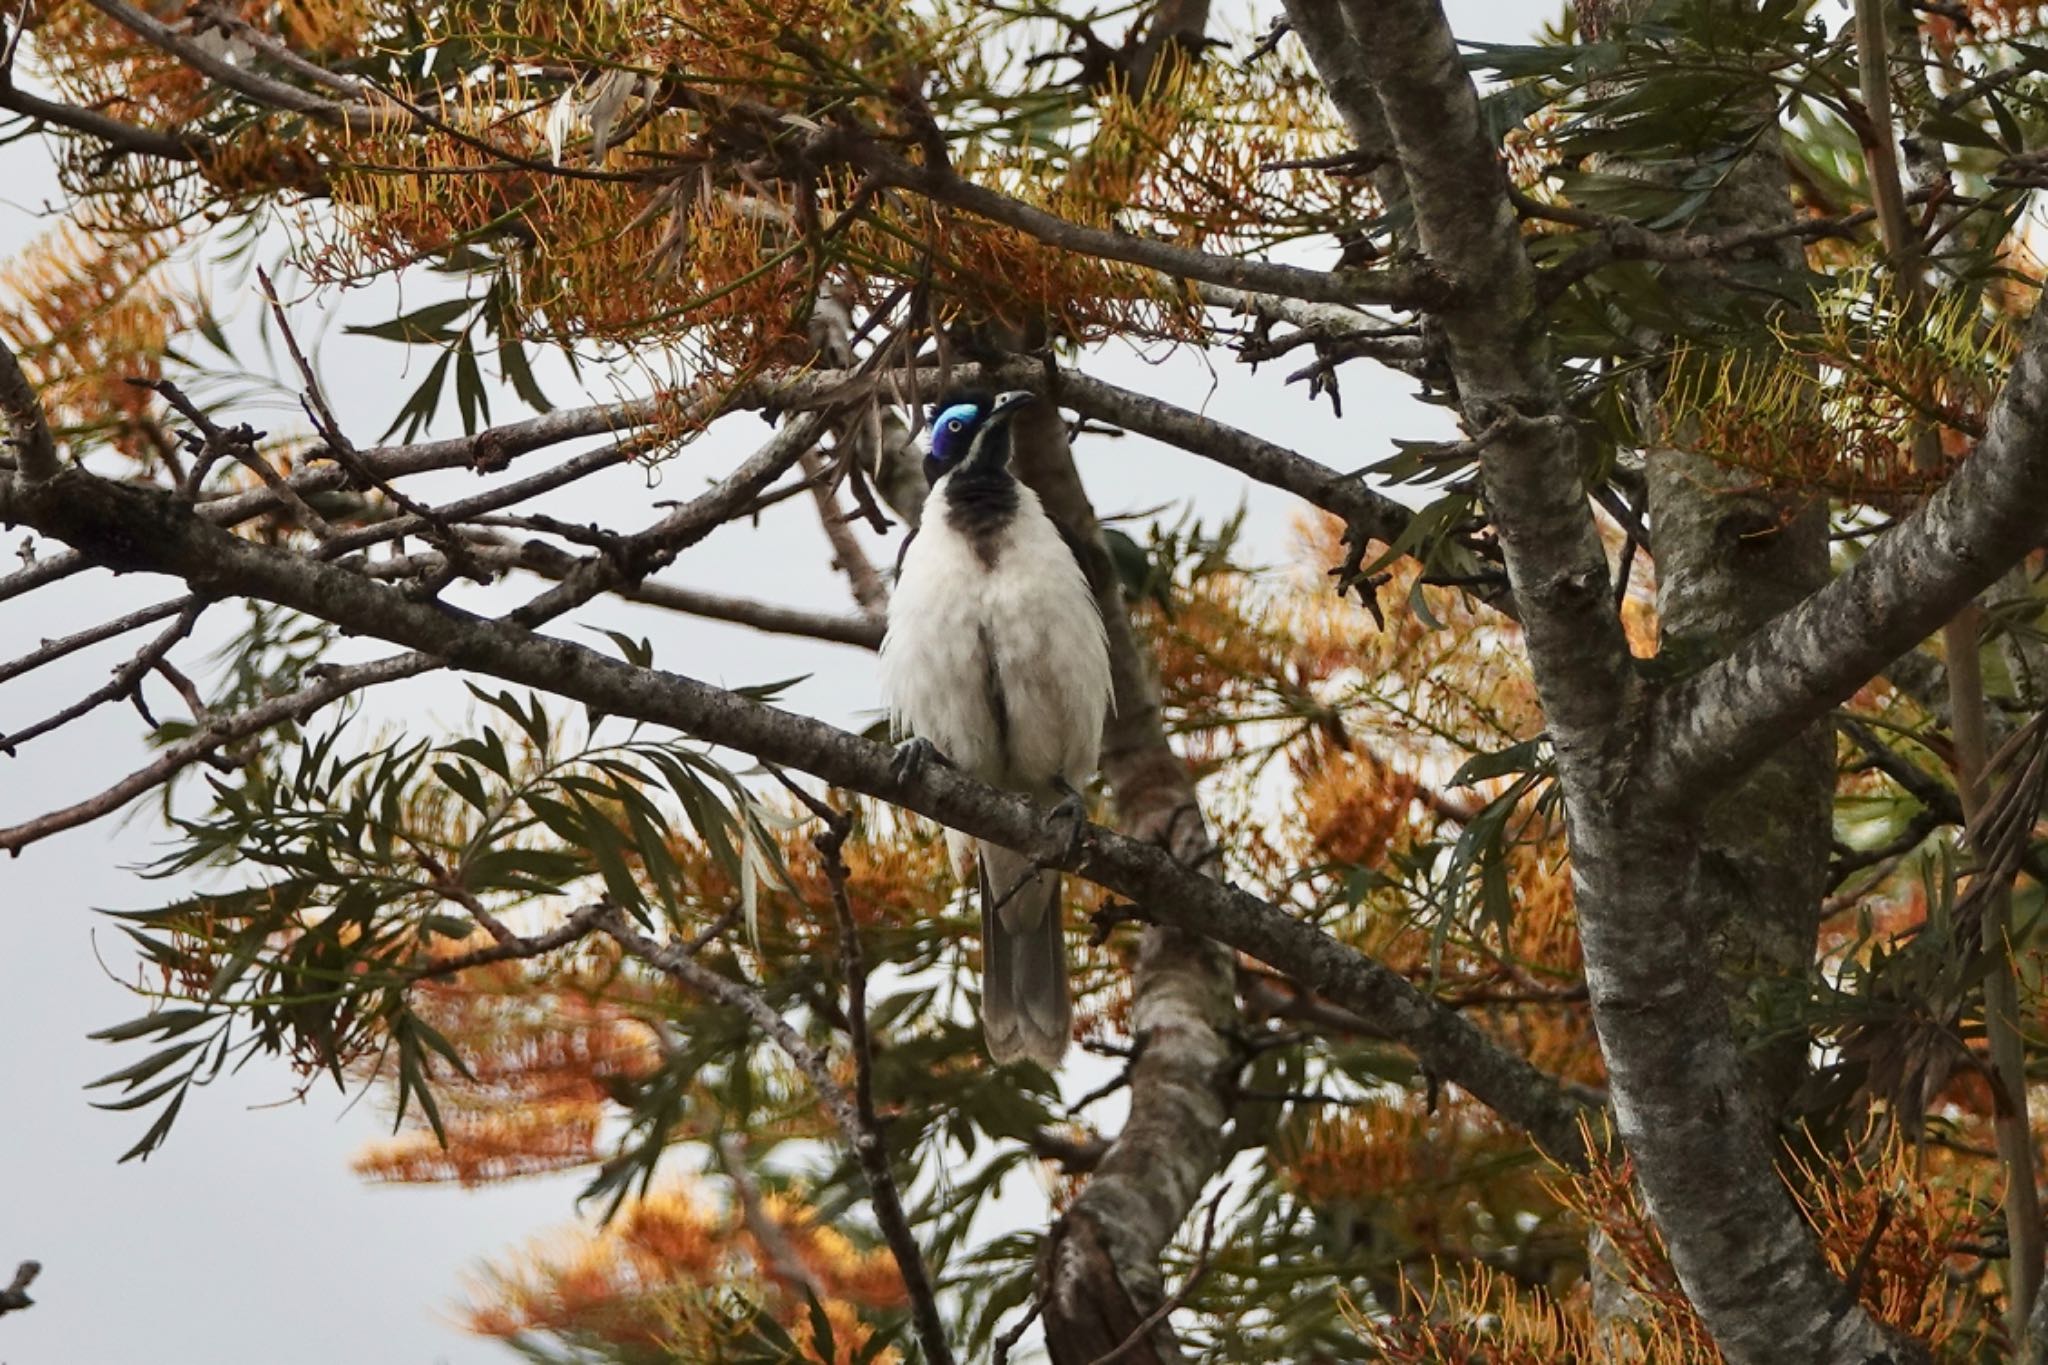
1682, 1098
1731, 554
1729, 558
1184, 997
1911, 580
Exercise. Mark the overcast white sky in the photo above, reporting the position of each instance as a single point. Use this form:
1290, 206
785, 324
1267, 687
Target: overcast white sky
246, 1240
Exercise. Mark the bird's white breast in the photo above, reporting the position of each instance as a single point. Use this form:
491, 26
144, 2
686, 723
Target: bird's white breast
1019, 621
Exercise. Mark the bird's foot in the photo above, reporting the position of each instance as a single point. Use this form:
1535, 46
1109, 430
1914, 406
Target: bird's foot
1072, 811
912, 756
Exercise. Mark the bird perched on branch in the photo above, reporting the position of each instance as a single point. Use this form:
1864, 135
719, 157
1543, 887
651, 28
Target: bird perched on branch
996, 662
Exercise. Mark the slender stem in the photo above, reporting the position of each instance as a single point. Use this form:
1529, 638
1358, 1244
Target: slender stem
676, 962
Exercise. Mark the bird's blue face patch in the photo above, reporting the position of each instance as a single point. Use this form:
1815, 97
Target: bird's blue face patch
952, 433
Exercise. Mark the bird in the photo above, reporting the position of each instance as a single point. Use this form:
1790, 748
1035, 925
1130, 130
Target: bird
995, 661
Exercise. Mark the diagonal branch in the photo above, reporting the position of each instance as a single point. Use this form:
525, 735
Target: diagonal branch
211, 738
1400, 287
1911, 580
52, 650
1367, 513
122, 137
354, 117
140, 529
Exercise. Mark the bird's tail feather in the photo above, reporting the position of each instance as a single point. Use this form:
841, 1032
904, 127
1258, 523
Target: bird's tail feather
1025, 1009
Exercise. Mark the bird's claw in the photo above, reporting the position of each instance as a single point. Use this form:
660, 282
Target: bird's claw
912, 756
1071, 811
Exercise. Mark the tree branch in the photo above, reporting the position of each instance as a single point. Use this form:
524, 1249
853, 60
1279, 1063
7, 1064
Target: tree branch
1405, 287
28, 430
1910, 580
534, 556
211, 737
53, 650
1743, 1254
140, 529
124, 682
123, 137
358, 118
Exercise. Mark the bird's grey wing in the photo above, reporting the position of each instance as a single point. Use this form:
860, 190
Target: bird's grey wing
1026, 1012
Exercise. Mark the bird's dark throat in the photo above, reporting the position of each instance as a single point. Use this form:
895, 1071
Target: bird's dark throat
981, 500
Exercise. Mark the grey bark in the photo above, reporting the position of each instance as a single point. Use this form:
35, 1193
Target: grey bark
1184, 994
1730, 554
1681, 1096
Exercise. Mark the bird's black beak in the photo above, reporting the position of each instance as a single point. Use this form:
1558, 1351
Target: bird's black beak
1010, 402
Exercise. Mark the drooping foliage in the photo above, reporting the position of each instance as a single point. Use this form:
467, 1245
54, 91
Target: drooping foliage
704, 197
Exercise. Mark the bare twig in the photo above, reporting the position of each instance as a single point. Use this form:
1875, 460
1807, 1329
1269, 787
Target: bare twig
783, 1262
872, 1147
237, 443
296, 706
42, 573
1403, 287
126, 138
512, 947
53, 650
672, 960
123, 684
15, 1297
1007, 1342
847, 554
354, 117
642, 553
344, 452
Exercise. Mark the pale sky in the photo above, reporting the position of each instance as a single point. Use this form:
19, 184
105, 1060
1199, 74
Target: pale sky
246, 1240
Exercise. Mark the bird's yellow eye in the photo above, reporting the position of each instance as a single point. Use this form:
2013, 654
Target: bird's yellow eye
953, 425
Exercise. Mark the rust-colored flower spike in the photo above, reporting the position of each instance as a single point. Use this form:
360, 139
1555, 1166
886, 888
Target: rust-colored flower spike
668, 1269
1978, 21
682, 224
87, 311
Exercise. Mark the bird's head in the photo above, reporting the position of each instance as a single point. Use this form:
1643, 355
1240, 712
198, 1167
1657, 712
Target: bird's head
972, 429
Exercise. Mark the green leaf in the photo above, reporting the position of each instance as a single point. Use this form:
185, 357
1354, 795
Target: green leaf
132, 1076
639, 653
464, 782
168, 1023
470, 398
146, 1097
1424, 528
1516, 758
420, 406
823, 1344
158, 1130
430, 324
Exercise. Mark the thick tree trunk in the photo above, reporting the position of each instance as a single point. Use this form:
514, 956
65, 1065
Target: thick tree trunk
1100, 1267
1683, 1099
1730, 554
